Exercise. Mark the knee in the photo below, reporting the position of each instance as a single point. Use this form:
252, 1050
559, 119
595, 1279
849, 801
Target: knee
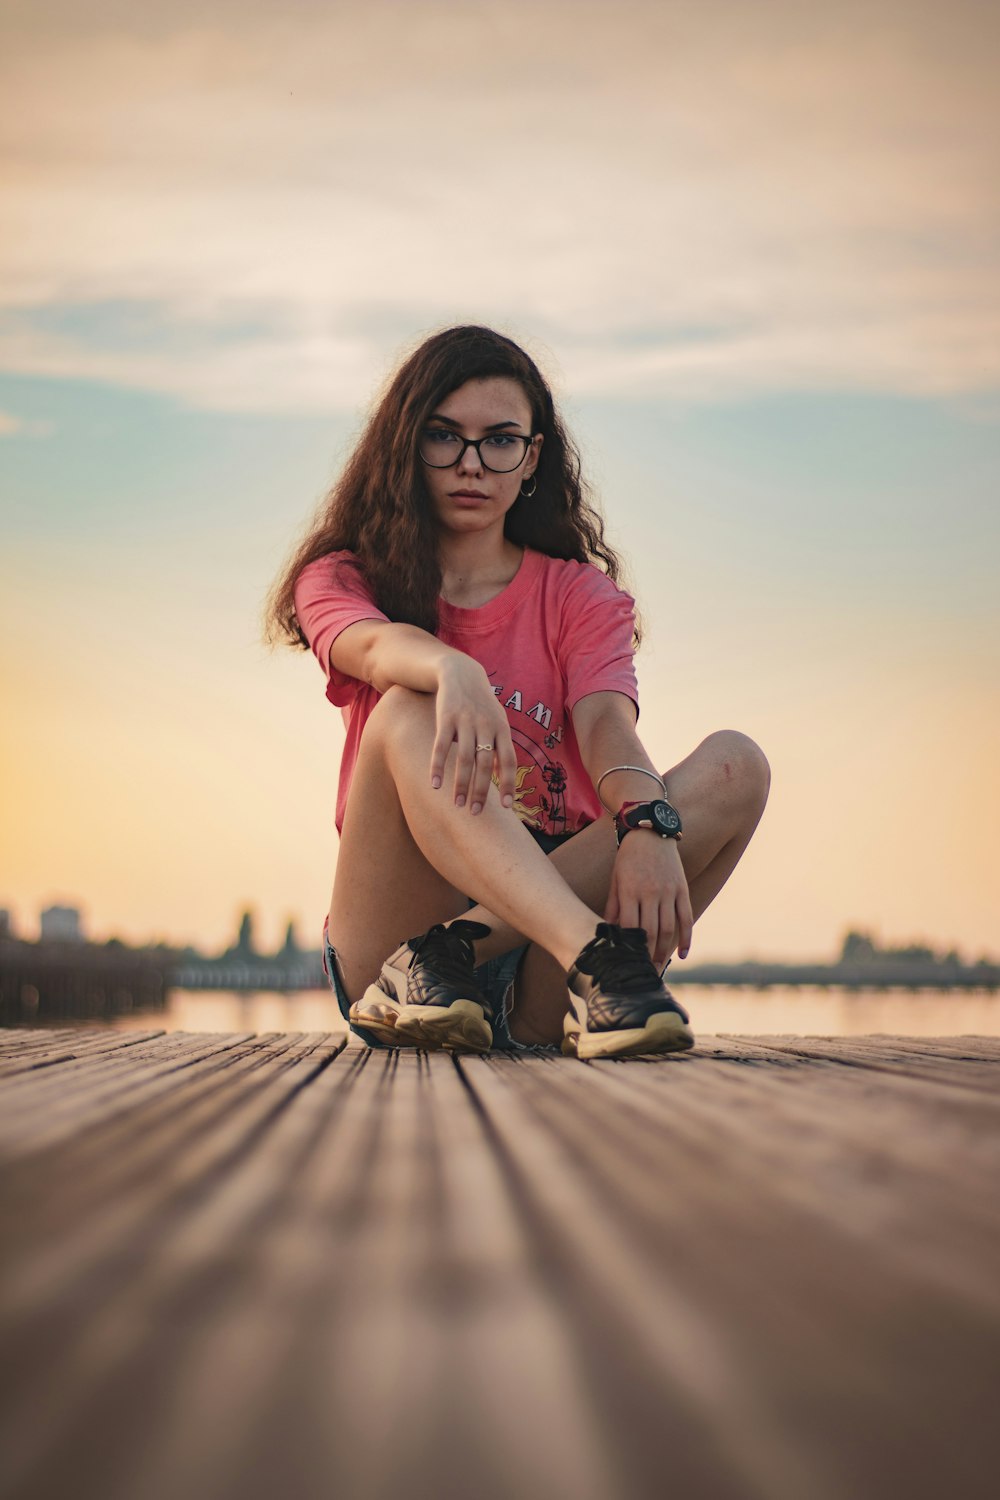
740, 763
399, 711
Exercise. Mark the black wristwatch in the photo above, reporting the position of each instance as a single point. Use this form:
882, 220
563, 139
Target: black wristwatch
659, 816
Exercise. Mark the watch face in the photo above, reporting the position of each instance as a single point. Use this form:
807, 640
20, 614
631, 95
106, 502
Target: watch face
665, 818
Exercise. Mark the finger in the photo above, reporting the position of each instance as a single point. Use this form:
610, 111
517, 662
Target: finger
657, 938
464, 765
662, 948
612, 907
507, 767
628, 910
443, 741
481, 775
665, 942
649, 921
685, 923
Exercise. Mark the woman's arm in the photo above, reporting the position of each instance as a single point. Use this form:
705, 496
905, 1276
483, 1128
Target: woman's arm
648, 884
468, 714
381, 653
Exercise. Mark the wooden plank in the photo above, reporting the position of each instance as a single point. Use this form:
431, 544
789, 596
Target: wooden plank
81, 1083
74, 1062
648, 1335
16, 1043
907, 1171
797, 1053
220, 1119
809, 1323
420, 1237
460, 1337
950, 1131
969, 1048
76, 1070
873, 1170
126, 1131
17, 1038
738, 1273
883, 1056
312, 1234
70, 1048
159, 1273
159, 1114
44, 1110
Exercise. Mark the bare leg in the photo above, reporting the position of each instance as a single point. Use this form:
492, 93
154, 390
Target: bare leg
720, 790
407, 854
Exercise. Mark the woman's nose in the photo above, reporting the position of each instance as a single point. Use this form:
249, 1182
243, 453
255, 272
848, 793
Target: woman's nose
470, 461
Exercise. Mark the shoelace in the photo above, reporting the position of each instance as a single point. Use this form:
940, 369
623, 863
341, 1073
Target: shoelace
621, 955
448, 952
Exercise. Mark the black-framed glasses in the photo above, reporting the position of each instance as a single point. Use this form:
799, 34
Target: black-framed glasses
501, 452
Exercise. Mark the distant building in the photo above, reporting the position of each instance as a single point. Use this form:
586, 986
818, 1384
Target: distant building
290, 947
6, 923
244, 943
61, 924
858, 948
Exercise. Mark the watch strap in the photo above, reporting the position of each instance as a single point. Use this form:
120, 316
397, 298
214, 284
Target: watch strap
658, 817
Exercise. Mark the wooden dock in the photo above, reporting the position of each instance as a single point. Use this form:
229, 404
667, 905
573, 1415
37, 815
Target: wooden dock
274, 1267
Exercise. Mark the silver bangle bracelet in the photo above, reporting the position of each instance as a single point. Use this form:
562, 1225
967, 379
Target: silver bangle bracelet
610, 771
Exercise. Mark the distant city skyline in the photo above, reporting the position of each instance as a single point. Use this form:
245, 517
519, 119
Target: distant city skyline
68, 923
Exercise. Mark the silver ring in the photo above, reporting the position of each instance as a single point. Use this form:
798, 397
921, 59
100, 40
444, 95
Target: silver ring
484, 747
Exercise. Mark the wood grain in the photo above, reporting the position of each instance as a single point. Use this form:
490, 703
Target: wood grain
240, 1265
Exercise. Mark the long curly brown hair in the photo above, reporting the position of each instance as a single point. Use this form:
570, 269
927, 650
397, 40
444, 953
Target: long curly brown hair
379, 508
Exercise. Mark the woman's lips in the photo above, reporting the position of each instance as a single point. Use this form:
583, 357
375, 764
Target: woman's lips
468, 497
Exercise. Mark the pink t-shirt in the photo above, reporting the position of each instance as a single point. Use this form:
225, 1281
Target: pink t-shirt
558, 631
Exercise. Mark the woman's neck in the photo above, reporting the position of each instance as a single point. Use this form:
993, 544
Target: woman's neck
474, 569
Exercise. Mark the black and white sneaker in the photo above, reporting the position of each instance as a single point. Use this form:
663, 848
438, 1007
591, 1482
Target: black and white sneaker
427, 994
619, 1005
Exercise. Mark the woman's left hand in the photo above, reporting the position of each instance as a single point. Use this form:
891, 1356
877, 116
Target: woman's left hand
649, 890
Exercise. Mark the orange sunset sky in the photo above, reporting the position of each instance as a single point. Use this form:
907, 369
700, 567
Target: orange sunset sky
755, 249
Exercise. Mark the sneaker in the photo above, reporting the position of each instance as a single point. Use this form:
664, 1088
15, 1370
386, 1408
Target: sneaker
427, 994
619, 1005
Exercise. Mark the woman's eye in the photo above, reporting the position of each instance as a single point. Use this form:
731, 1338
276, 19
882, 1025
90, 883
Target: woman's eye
439, 437
501, 441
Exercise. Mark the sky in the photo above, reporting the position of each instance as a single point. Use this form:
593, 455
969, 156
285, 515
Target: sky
755, 250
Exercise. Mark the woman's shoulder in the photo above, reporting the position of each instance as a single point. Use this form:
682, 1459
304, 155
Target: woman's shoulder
330, 578
333, 570
583, 580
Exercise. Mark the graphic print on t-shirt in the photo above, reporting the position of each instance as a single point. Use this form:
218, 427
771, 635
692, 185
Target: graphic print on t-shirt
539, 787
540, 781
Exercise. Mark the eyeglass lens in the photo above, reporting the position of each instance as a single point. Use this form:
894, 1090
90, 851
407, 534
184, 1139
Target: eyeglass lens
501, 451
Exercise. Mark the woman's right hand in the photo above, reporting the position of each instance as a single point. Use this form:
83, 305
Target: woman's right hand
468, 715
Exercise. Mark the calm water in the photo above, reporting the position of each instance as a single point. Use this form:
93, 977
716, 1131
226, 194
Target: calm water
744, 1012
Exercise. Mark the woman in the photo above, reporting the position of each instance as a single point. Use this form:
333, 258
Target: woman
461, 599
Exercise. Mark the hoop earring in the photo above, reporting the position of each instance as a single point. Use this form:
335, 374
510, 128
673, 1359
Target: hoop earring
527, 494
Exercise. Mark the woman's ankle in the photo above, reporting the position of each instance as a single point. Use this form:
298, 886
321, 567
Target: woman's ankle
521, 1030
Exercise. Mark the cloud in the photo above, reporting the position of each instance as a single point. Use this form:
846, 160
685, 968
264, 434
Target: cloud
694, 203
